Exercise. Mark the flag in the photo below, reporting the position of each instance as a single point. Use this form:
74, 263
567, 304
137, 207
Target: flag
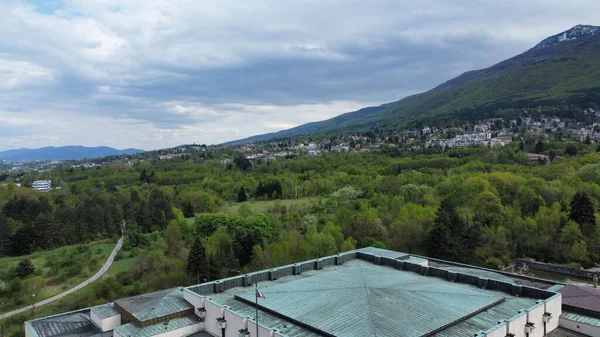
259, 294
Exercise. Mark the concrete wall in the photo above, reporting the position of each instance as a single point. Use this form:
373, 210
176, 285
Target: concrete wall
554, 268
185, 331
106, 324
535, 315
516, 325
213, 311
588, 330
235, 322
554, 306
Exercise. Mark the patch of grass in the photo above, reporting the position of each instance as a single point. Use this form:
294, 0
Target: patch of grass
264, 206
77, 300
60, 269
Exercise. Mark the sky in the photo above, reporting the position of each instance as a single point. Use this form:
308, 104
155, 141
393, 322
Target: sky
153, 74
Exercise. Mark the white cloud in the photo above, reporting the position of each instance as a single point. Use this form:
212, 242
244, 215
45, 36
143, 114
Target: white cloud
154, 73
16, 73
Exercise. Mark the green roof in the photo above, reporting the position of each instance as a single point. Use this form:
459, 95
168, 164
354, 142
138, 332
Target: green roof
579, 318
360, 298
130, 329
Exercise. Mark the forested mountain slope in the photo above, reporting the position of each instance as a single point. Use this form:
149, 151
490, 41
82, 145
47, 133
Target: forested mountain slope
561, 74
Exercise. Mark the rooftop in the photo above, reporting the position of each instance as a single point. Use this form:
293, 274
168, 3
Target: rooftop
105, 311
130, 329
360, 298
71, 323
155, 305
586, 298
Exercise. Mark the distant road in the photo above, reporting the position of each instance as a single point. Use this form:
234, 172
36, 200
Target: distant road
96, 276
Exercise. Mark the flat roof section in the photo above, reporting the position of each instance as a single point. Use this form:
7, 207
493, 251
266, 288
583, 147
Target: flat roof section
130, 329
360, 298
155, 305
105, 311
72, 323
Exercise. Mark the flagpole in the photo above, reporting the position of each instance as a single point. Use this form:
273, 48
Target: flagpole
256, 308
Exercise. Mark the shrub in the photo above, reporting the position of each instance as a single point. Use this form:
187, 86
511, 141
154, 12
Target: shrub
25, 268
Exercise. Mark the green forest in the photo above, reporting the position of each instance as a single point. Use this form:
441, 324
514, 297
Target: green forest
187, 221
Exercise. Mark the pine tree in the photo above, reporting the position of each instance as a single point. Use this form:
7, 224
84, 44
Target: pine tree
25, 268
260, 190
539, 146
241, 197
582, 212
439, 242
197, 263
452, 238
5, 233
188, 209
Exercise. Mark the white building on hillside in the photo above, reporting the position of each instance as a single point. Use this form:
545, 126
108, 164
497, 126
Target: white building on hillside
42, 185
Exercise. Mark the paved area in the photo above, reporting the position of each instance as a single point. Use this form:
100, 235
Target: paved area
96, 276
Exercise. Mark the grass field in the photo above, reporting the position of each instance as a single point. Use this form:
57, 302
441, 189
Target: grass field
14, 325
60, 269
263, 206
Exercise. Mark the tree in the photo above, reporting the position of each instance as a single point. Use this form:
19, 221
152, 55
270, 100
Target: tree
25, 268
582, 212
242, 163
241, 197
172, 236
452, 238
5, 233
588, 140
197, 263
145, 177
188, 209
243, 240
539, 146
571, 150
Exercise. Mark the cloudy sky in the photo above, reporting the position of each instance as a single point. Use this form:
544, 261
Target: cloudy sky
157, 73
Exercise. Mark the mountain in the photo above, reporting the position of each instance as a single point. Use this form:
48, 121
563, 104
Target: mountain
560, 75
63, 153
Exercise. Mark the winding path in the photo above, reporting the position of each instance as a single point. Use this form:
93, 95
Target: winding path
102, 271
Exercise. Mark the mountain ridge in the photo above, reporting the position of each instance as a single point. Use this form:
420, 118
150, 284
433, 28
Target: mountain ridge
546, 74
70, 152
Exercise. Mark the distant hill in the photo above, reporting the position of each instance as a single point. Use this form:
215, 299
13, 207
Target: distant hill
561, 74
63, 153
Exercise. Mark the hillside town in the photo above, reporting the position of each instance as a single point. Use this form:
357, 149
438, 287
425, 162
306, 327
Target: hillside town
495, 132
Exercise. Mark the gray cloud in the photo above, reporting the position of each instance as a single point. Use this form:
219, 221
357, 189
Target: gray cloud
153, 74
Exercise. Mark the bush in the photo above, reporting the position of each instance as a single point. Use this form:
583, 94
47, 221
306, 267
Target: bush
25, 268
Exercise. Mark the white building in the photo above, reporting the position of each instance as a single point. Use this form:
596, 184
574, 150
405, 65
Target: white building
366, 292
42, 185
